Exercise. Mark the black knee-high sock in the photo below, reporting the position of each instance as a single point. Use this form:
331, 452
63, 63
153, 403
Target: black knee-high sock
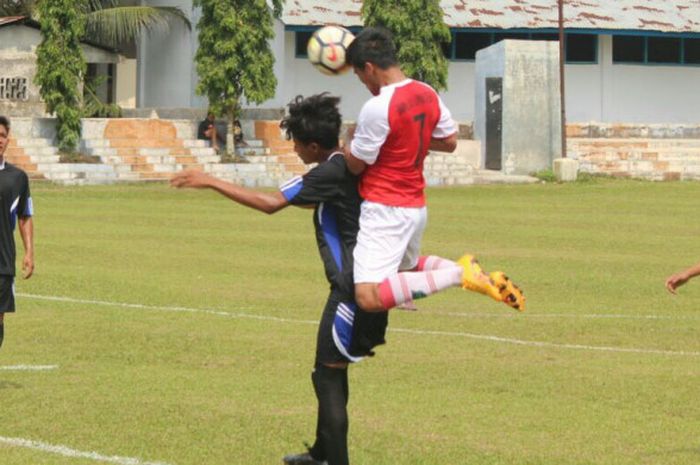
2, 332
331, 386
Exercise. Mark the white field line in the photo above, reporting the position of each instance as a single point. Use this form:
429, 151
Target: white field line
508, 340
593, 316
68, 452
28, 367
483, 337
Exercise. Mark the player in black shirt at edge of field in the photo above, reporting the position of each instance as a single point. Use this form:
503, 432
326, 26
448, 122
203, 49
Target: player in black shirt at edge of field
15, 207
345, 334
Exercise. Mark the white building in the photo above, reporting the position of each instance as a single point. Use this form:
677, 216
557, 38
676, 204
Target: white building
19, 95
635, 61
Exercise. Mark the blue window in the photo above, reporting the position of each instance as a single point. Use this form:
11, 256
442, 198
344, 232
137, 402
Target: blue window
580, 48
691, 51
656, 50
301, 38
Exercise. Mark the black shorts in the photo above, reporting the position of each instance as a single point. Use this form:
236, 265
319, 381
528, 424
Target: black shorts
7, 294
367, 332
326, 350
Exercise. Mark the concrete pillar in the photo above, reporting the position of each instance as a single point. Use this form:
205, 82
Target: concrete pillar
517, 105
565, 169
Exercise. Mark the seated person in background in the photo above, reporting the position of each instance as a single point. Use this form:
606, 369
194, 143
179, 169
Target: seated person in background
207, 131
238, 134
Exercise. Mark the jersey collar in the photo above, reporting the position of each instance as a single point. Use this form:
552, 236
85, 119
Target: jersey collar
396, 84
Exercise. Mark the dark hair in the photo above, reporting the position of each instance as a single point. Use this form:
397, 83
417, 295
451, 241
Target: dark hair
5, 122
372, 45
313, 119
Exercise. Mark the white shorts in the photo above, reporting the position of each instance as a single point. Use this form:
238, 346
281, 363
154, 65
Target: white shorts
388, 241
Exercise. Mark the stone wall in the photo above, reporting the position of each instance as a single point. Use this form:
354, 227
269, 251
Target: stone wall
658, 152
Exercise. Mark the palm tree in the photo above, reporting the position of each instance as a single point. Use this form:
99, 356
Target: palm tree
110, 22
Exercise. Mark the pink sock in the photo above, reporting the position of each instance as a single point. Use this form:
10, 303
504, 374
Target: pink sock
407, 286
433, 262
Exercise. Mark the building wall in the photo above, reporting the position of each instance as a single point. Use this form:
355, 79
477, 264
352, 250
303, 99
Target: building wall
18, 45
595, 92
18, 58
608, 92
166, 73
125, 92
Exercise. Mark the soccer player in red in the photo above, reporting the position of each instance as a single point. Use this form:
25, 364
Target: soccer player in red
395, 130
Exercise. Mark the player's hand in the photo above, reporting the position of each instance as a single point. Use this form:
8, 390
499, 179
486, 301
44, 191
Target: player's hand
675, 281
27, 266
190, 178
349, 134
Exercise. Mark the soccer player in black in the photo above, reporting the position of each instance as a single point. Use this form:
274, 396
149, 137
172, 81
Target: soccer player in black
15, 203
345, 334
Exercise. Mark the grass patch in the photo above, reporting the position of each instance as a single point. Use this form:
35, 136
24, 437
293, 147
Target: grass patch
189, 388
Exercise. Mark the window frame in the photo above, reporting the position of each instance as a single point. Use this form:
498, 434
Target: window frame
529, 33
646, 61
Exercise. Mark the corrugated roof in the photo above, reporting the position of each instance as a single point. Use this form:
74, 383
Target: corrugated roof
645, 15
5, 20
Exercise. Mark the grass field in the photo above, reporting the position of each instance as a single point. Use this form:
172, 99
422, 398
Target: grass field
210, 365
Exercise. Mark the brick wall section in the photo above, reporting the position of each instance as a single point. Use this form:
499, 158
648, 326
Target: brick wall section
653, 159
658, 152
139, 142
18, 157
276, 141
632, 131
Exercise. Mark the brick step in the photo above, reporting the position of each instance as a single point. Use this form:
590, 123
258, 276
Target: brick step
636, 150
162, 167
634, 143
280, 149
32, 143
252, 151
38, 152
646, 155
252, 143
292, 163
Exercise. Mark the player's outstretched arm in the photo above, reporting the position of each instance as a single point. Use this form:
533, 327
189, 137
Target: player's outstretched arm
676, 280
26, 231
262, 201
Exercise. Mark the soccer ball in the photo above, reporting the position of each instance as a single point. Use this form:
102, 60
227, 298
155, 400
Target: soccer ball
326, 49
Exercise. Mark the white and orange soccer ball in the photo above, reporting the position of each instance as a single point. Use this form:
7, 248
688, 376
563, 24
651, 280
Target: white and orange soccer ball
326, 49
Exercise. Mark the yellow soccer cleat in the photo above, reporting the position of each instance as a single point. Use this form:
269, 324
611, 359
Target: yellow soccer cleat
511, 294
474, 278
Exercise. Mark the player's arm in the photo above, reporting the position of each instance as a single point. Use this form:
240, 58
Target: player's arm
355, 165
447, 144
364, 141
444, 136
262, 201
676, 280
26, 232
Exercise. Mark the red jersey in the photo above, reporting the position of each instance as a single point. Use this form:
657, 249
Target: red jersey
393, 136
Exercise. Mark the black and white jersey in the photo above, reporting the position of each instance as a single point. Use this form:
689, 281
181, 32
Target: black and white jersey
15, 201
333, 190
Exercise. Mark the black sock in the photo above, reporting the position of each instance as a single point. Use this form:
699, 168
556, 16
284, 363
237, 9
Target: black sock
331, 386
2, 333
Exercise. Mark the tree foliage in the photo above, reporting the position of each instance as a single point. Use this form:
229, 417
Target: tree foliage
61, 66
419, 31
234, 59
112, 24
108, 21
